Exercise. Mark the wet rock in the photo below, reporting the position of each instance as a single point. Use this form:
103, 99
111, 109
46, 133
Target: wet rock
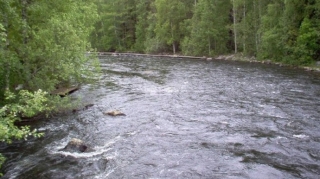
76, 145
19, 87
308, 68
318, 63
82, 109
88, 106
102, 164
114, 113
268, 62
220, 57
206, 145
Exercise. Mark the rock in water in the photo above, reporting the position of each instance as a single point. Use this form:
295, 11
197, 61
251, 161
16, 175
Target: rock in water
114, 113
76, 145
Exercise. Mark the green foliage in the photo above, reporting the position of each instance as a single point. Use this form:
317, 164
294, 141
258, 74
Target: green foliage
45, 42
154, 46
209, 29
170, 15
23, 104
144, 19
307, 44
2, 34
273, 30
58, 45
115, 29
290, 32
272, 46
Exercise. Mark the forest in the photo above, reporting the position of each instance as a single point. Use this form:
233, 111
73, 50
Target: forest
286, 31
43, 43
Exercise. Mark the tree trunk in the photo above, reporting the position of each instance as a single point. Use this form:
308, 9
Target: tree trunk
115, 29
24, 16
209, 43
234, 28
173, 42
174, 48
255, 27
260, 16
245, 28
7, 62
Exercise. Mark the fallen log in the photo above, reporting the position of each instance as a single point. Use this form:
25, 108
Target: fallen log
64, 91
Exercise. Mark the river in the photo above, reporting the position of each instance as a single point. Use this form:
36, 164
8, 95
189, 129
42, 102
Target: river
184, 119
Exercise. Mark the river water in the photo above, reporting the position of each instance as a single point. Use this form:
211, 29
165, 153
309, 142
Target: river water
184, 119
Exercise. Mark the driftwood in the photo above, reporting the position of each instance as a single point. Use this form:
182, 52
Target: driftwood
64, 91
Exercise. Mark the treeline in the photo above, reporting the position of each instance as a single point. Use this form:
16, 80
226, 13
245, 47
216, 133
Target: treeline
279, 30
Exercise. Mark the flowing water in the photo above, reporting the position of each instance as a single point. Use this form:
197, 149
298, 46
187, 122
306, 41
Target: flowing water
184, 119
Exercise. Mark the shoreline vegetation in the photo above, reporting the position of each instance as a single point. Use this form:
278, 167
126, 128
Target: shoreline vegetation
229, 57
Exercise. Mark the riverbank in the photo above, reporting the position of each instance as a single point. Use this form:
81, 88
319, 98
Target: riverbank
230, 57
239, 57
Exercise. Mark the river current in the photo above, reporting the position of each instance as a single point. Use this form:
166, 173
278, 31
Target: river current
184, 119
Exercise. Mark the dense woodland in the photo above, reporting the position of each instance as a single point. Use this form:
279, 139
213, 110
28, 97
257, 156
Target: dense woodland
281, 30
43, 42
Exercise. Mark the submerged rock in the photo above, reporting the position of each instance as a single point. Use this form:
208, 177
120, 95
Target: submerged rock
114, 113
82, 109
76, 145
